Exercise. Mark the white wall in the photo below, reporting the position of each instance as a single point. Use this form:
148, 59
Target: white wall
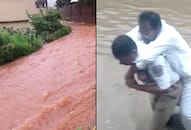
51, 3
12, 10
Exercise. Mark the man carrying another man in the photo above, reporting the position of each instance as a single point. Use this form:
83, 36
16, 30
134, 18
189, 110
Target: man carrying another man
161, 80
154, 37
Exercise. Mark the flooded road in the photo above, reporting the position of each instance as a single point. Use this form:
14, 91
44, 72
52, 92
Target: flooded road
53, 88
118, 107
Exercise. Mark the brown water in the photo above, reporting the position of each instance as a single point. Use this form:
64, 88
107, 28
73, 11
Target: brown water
120, 108
53, 88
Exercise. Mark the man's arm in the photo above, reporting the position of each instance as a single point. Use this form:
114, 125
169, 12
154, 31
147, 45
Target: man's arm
129, 77
154, 89
132, 83
159, 72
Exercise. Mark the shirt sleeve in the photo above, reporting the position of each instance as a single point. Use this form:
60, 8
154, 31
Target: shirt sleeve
159, 72
134, 34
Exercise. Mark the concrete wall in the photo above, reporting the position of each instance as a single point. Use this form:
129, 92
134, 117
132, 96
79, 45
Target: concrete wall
15, 10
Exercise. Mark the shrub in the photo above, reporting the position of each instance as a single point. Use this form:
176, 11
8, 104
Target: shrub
4, 37
17, 43
59, 33
48, 24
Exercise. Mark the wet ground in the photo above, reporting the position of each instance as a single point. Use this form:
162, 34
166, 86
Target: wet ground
118, 107
53, 88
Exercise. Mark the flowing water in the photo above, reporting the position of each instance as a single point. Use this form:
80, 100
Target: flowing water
41, 91
118, 107
53, 88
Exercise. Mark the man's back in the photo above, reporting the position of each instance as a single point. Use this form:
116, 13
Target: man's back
170, 43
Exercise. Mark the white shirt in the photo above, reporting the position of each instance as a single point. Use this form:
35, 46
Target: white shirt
159, 68
160, 71
170, 43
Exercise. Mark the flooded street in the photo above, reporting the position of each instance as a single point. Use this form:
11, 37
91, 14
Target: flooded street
118, 107
53, 88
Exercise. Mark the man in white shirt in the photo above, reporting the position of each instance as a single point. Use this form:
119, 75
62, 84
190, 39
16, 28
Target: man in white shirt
163, 105
167, 87
164, 39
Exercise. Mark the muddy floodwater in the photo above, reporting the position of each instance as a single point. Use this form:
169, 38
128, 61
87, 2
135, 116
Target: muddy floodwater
118, 107
53, 88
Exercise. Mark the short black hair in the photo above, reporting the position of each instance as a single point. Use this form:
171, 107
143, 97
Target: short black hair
152, 17
122, 46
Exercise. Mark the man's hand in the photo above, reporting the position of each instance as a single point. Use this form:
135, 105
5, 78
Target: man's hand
130, 82
129, 77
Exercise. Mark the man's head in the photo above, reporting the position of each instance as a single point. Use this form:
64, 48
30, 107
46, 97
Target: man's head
124, 49
149, 25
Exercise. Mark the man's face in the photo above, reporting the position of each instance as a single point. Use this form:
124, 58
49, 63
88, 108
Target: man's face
128, 60
148, 34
